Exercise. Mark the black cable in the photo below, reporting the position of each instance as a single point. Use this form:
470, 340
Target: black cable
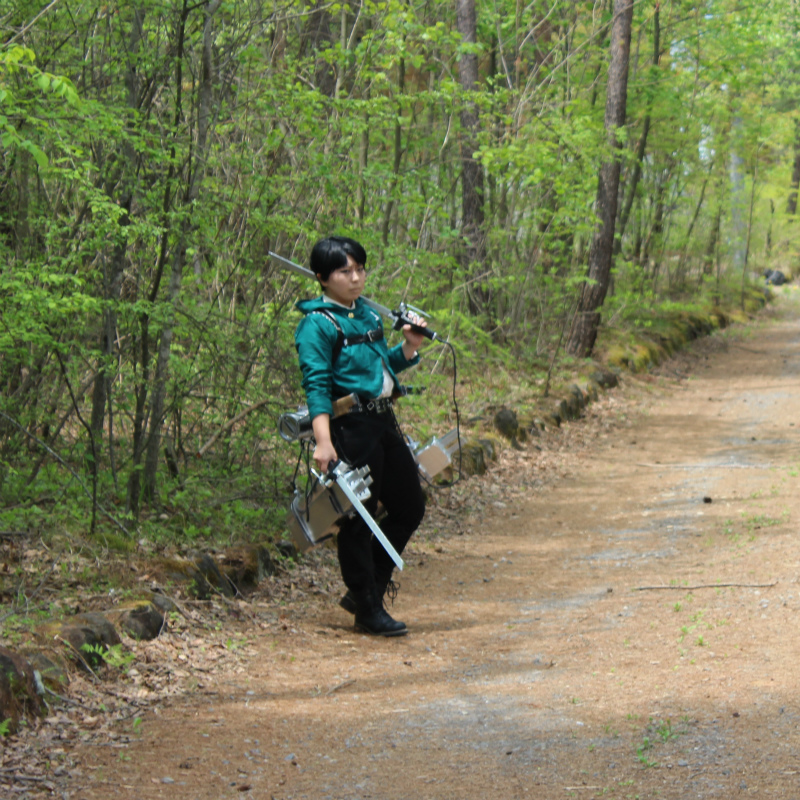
450, 484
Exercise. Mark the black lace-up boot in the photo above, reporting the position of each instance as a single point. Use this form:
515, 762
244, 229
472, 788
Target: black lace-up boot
386, 588
372, 617
348, 602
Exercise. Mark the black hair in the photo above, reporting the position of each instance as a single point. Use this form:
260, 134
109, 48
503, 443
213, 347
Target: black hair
331, 253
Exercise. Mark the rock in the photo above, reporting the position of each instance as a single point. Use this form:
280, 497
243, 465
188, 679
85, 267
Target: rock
473, 459
199, 573
604, 378
576, 392
141, 619
163, 603
774, 277
246, 567
210, 570
85, 636
286, 549
591, 390
18, 695
506, 422
489, 449
52, 670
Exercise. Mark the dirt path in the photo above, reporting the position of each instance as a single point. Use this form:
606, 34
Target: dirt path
616, 619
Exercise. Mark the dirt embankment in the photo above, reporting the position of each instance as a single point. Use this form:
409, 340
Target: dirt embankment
610, 615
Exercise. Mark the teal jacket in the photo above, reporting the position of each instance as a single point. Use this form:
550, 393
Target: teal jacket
357, 367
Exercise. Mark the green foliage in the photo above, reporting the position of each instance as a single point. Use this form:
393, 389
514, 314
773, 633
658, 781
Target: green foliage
140, 192
16, 113
112, 655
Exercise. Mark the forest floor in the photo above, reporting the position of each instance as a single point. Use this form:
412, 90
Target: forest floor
607, 613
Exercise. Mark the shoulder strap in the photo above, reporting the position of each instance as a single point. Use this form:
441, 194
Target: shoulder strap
340, 340
345, 341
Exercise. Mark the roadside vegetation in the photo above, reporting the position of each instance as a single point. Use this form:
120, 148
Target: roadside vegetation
151, 155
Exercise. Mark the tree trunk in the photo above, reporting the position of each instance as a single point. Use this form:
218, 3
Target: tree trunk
472, 190
113, 270
653, 238
319, 37
593, 292
197, 170
791, 204
713, 238
692, 223
641, 147
738, 200
398, 154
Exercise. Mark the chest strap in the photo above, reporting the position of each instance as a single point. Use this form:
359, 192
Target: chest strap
346, 341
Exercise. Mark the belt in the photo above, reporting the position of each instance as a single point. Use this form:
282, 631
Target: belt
379, 405
353, 403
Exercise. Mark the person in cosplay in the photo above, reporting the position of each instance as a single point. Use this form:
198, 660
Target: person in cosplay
342, 353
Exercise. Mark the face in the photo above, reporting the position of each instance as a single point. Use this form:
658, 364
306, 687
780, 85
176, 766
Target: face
344, 285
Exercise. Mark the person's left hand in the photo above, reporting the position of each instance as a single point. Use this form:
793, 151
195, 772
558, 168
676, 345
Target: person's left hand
414, 339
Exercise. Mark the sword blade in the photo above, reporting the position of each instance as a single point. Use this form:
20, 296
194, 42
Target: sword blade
367, 517
378, 307
306, 273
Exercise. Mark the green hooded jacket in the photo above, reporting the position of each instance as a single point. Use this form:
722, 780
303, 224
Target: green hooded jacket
357, 368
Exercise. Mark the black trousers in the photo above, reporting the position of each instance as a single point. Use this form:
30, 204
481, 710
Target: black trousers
375, 440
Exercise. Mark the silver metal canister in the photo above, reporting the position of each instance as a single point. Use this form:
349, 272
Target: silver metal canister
314, 518
435, 457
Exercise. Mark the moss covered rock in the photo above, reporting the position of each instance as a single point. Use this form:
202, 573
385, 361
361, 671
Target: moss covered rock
18, 694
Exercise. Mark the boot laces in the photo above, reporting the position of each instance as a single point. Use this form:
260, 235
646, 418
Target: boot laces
392, 589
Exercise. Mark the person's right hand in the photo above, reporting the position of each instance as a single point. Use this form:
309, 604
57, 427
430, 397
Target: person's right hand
323, 455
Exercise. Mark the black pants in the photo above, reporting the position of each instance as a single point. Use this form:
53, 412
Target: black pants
375, 440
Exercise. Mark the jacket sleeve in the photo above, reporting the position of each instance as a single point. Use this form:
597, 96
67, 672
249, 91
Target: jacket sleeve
397, 359
314, 339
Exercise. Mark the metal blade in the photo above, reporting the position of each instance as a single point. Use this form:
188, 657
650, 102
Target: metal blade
307, 273
378, 307
341, 481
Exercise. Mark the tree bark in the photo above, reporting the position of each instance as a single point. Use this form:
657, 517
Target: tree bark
398, 154
472, 189
197, 170
114, 268
641, 147
593, 292
791, 203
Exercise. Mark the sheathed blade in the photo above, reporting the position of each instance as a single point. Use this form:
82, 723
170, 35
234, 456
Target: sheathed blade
306, 273
367, 517
378, 307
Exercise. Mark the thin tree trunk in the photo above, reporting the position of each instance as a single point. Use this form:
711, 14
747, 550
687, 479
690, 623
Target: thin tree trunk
690, 229
749, 226
768, 242
472, 189
142, 389
791, 203
197, 173
641, 147
713, 238
656, 229
593, 292
398, 155
113, 270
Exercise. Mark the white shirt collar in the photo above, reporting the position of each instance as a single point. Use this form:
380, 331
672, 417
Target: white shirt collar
337, 303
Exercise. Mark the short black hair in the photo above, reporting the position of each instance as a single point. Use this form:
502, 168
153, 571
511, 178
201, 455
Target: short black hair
331, 253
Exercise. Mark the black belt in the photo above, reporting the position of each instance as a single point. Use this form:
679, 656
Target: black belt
353, 403
379, 405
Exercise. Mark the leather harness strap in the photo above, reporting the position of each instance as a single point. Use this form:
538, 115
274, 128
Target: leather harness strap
343, 341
